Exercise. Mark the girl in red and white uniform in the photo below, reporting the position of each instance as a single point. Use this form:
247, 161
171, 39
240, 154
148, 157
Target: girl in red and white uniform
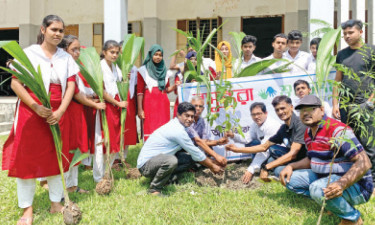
82, 115
30, 152
152, 89
111, 75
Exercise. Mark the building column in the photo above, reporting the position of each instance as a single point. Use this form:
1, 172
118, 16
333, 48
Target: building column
359, 13
115, 19
371, 22
322, 10
342, 16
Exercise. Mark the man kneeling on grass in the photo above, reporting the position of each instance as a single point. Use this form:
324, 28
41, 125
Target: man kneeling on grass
160, 156
290, 134
351, 180
199, 133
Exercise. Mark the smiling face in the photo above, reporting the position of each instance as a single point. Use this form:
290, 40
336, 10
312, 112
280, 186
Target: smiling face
311, 115
352, 35
111, 54
284, 110
157, 57
74, 49
258, 116
186, 118
225, 50
54, 33
294, 45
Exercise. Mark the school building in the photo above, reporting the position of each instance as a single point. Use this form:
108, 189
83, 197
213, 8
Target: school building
94, 21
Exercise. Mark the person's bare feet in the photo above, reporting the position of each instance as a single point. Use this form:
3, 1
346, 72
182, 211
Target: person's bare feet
27, 217
56, 207
44, 184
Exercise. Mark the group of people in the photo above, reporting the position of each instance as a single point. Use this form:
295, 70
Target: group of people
173, 146
314, 145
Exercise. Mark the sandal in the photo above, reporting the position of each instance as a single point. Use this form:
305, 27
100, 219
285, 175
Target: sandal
25, 220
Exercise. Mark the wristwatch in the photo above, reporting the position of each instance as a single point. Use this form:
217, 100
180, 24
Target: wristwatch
370, 104
264, 167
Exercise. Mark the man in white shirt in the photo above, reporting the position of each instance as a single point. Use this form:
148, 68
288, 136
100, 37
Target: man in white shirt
299, 58
279, 44
261, 130
301, 89
314, 45
248, 46
160, 156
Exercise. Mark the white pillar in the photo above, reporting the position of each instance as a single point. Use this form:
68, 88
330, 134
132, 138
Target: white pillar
359, 12
322, 10
115, 19
371, 22
342, 16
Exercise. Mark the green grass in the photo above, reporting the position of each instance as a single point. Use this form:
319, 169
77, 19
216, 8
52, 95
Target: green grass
270, 204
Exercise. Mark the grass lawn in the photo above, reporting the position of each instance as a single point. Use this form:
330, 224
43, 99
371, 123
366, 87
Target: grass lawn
187, 203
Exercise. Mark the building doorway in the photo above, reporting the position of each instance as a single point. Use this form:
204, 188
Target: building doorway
6, 34
264, 28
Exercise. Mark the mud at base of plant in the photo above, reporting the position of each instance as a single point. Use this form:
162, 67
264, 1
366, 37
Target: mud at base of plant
133, 173
72, 214
104, 187
231, 179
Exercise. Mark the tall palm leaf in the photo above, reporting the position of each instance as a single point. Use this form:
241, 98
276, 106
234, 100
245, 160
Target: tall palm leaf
26, 73
131, 48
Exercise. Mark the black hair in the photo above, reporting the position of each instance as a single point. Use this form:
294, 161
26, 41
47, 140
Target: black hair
47, 21
185, 107
295, 35
299, 82
352, 23
281, 98
67, 41
261, 105
280, 35
249, 38
108, 45
315, 41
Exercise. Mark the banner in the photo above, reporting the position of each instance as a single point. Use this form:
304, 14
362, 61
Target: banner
260, 88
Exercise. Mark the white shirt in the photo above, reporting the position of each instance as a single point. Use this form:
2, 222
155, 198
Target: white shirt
110, 77
261, 133
55, 70
275, 65
300, 62
312, 65
245, 64
169, 139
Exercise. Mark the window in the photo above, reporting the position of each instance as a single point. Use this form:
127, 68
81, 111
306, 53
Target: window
98, 36
205, 26
72, 30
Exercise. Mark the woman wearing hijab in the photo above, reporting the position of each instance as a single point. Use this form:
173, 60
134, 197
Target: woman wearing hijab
225, 70
152, 89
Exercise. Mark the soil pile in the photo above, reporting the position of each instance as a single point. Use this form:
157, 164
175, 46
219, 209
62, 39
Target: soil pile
104, 187
230, 179
133, 173
72, 214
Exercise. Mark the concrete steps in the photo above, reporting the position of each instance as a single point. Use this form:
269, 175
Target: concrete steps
7, 108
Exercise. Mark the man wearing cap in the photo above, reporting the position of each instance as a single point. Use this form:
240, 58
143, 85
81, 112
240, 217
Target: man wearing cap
350, 181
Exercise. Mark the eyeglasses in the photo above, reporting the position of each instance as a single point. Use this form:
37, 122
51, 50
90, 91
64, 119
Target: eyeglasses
199, 106
256, 114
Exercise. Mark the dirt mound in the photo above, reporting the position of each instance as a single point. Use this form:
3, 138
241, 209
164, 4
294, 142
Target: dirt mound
133, 173
104, 187
72, 214
230, 179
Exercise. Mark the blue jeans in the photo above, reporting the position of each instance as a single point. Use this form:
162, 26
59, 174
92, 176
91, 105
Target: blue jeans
276, 151
307, 183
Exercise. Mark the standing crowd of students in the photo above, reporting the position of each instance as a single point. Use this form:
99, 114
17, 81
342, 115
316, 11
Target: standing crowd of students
29, 153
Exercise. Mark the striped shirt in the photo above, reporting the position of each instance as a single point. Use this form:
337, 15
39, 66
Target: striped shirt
169, 139
321, 151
